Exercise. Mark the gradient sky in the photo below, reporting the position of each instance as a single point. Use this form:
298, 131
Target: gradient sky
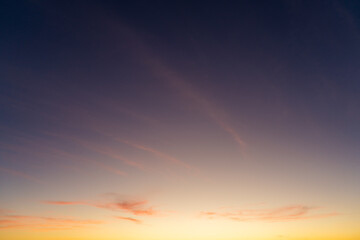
182, 120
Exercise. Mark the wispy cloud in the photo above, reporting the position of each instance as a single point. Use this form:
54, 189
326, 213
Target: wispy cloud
21, 175
136, 208
283, 214
44, 223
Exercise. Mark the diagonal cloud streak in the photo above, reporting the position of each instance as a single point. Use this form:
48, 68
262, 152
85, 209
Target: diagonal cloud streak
163, 72
188, 91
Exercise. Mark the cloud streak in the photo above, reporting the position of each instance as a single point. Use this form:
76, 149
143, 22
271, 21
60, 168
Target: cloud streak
44, 223
283, 214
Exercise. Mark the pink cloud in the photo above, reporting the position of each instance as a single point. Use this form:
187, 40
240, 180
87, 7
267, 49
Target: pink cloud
129, 219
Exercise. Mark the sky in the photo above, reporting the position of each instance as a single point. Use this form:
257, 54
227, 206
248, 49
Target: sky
179, 120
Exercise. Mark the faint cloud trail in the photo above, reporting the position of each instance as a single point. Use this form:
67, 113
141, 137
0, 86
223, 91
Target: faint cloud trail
21, 175
157, 153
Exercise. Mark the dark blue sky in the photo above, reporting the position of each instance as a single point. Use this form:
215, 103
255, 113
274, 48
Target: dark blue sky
299, 57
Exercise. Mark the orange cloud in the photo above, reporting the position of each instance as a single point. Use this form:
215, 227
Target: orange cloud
44, 223
282, 214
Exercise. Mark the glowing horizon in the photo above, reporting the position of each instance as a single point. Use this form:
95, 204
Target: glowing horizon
179, 121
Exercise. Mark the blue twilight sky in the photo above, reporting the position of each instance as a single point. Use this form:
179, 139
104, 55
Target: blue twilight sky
131, 117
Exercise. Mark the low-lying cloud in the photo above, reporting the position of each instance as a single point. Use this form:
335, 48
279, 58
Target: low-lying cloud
44, 223
282, 214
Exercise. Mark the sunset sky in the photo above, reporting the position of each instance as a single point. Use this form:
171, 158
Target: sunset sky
180, 120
